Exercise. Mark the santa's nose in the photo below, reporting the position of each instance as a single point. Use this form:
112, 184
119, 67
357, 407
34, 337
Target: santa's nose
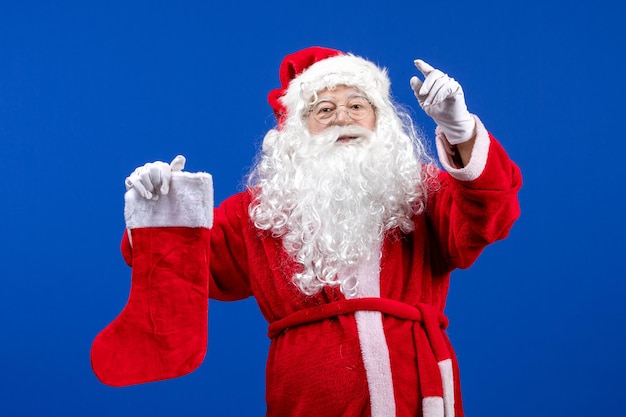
342, 117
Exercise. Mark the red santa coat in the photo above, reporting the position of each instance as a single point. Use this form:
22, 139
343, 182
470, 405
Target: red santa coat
385, 352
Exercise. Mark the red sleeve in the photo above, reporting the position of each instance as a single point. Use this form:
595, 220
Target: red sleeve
469, 215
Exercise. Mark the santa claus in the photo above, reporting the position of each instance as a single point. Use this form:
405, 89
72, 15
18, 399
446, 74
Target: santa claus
346, 236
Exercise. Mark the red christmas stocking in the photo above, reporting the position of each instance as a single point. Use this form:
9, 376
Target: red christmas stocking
162, 331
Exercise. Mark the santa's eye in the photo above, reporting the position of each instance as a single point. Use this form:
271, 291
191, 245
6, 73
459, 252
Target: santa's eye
324, 110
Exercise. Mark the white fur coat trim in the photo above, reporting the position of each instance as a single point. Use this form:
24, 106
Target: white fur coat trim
374, 348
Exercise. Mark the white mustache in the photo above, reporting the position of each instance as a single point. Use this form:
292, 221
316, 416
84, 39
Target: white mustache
332, 134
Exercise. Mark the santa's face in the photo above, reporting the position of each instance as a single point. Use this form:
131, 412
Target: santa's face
341, 106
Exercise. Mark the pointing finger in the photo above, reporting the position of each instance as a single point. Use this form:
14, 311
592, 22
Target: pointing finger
424, 67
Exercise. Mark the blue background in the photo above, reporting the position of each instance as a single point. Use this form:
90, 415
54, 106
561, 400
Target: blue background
91, 89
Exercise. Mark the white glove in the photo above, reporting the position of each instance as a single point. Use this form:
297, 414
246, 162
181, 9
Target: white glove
442, 98
153, 179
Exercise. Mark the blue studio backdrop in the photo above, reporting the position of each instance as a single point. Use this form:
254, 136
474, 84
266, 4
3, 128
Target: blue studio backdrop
91, 90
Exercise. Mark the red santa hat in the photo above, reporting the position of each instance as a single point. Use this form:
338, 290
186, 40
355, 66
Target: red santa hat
310, 70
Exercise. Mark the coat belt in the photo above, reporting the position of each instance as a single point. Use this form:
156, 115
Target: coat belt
422, 313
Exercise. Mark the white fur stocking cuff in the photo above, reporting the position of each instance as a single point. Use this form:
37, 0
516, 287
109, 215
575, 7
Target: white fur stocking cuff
189, 203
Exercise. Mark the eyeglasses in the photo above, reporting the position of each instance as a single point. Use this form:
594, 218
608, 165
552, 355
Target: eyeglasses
325, 111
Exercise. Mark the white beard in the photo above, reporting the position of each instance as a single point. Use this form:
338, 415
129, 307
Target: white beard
332, 201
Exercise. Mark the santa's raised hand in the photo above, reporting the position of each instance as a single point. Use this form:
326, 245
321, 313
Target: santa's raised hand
442, 98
